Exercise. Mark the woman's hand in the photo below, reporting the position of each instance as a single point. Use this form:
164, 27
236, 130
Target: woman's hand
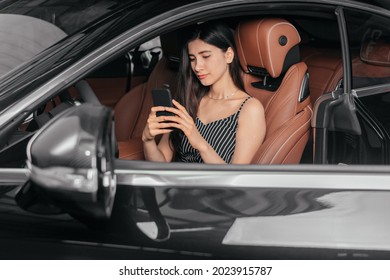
155, 125
183, 121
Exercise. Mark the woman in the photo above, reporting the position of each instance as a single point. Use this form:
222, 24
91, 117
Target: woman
215, 120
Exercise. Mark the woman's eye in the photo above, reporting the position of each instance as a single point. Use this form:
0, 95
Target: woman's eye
206, 56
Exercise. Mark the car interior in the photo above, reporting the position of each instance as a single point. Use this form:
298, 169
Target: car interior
287, 133
288, 78
284, 94
288, 108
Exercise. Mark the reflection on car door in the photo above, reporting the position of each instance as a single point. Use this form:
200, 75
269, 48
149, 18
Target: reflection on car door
246, 210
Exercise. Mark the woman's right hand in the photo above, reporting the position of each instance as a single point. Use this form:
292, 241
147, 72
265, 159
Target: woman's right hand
155, 125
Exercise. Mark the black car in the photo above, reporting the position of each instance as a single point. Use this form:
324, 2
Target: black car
73, 179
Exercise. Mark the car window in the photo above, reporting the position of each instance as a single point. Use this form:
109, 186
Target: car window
28, 28
22, 37
119, 88
369, 41
369, 38
69, 15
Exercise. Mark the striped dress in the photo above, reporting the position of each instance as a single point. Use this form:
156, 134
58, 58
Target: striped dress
220, 134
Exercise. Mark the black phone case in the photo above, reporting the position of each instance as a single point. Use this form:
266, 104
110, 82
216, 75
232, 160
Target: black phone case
162, 97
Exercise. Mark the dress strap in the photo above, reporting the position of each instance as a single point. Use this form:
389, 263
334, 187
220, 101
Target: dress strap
243, 103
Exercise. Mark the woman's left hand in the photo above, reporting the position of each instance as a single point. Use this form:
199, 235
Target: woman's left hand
183, 121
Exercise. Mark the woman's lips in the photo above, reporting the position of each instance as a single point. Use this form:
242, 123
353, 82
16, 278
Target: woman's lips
201, 77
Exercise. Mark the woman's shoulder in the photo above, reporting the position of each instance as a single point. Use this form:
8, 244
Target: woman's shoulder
252, 107
252, 103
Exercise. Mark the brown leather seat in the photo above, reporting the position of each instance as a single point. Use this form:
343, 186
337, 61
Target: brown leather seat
269, 55
132, 110
372, 65
325, 68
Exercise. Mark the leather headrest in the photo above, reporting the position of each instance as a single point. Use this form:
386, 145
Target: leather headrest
265, 43
375, 53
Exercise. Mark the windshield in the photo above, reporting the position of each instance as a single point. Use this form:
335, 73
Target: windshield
29, 27
68, 15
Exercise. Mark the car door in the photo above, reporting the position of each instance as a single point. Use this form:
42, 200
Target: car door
248, 211
351, 121
334, 210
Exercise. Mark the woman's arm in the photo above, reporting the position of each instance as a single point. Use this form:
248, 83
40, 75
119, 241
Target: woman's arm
155, 126
250, 132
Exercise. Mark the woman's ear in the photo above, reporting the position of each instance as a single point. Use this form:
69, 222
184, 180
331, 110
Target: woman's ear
229, 55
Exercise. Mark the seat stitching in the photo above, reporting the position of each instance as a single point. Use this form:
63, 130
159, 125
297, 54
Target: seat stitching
296, 131
300, 116
294, 147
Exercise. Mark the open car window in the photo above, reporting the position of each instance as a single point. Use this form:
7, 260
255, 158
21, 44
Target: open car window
124, 84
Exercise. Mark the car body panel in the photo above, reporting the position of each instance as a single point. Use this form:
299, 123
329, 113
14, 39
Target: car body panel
238, 213
329, 212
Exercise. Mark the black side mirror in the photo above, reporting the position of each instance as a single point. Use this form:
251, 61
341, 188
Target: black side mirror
71, 160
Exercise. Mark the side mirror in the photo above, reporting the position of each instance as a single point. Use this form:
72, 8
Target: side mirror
71, 161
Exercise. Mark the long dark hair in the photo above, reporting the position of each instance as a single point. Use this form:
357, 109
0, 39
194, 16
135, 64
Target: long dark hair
189, 90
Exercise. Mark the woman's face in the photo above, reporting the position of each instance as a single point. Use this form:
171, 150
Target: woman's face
209, 62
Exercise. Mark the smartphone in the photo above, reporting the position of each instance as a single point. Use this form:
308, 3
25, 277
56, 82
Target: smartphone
162, 97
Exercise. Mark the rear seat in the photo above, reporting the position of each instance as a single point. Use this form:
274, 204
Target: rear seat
132, 110
325, 70
369, 66
372, 65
